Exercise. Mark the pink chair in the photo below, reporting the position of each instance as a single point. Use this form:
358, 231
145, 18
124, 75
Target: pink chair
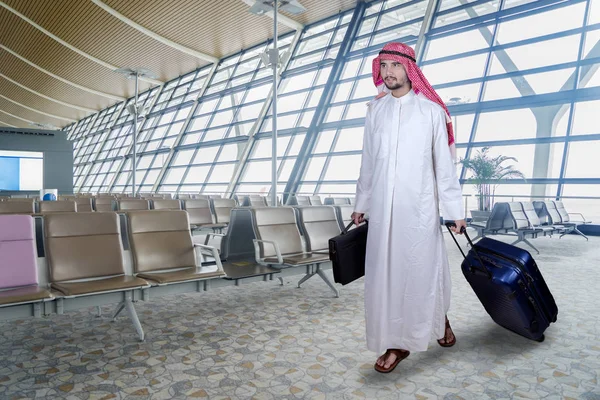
18, 264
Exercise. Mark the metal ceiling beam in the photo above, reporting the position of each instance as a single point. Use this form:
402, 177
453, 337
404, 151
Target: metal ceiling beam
110, 96
6, 124
287, 21
14, 116
432, 6
89, 110
37, 111
154, 35
69, 46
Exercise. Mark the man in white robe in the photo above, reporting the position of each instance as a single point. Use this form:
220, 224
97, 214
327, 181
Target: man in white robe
407, 173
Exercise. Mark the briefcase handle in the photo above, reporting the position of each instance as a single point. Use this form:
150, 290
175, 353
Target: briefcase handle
350, 226
464, 231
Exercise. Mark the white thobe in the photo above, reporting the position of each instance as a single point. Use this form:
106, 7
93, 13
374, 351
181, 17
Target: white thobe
407, 172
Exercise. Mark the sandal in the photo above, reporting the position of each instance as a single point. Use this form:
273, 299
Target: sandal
444, 341
400, 355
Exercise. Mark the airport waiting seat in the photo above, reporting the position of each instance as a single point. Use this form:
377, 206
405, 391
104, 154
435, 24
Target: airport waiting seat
337, 200
163, 250
18, 264
344, 215
201, 215
535, 221
499, 222
166, 205
315, 201
522, 226
222, 209
57, 206
318, 224
298, 201
84, 204
104, 203
133, 204
565, 219
279, 242
17, 207
85, 257
257, 201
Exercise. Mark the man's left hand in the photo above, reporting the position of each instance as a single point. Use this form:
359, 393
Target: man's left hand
459, 224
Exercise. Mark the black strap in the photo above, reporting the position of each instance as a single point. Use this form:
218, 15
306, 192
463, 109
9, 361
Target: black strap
347, 228
464, 231
397, 53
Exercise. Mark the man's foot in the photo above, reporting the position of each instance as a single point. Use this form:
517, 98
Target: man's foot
387, 362
449, 339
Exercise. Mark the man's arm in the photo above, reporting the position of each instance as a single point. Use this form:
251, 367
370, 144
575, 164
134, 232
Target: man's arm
448, 186
365, 179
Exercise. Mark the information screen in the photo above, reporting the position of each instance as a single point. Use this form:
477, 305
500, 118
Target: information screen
21, 170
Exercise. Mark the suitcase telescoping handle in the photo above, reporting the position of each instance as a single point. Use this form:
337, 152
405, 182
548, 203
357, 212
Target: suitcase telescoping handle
484, 269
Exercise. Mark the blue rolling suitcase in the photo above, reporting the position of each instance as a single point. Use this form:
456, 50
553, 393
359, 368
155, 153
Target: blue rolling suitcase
510, 286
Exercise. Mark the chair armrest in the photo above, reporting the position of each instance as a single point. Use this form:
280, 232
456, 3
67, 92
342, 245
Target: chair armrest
208, 235
581, 215
215, 254
257, 250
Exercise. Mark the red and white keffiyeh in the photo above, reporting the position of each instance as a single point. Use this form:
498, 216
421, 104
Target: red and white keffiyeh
405, 55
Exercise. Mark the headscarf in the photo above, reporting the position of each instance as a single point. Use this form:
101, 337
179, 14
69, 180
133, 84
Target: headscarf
405, 55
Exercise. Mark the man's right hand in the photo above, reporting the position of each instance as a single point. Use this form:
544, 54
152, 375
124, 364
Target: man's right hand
358, 218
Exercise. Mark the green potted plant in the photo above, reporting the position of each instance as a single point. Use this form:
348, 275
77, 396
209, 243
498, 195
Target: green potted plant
486, 170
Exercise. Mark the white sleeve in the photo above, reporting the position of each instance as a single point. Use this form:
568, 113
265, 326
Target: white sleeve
448, 185
365, 179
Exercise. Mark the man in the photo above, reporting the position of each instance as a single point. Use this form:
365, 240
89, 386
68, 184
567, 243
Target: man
407, 170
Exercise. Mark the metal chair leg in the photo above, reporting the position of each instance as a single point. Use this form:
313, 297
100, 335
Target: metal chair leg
581, 233
134, 318
532, 246
120, 308
305, 278
327, 281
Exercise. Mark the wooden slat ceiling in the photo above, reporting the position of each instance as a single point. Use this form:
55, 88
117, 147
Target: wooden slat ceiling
214, 27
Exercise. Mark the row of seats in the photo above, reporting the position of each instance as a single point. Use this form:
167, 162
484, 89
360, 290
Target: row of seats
528, 220
211, 214
284, 237
84, 256
316, 200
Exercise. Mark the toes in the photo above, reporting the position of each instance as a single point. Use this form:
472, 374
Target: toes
390, 361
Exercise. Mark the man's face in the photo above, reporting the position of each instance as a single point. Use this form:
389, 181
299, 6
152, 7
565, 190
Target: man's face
393, 74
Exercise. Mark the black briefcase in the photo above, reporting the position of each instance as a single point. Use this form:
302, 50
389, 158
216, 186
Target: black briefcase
347, 253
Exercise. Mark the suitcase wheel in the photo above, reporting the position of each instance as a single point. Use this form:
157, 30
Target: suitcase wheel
541, 339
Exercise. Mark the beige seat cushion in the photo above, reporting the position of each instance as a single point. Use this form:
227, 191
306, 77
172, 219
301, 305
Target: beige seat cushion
300, 259
100, 285
23, 295
188, 274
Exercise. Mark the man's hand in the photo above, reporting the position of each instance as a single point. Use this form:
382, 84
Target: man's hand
459, 224
358, 218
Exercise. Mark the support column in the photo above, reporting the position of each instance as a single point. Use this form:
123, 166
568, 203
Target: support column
336, 71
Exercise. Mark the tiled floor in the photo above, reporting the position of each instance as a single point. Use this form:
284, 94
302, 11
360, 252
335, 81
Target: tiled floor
266, 341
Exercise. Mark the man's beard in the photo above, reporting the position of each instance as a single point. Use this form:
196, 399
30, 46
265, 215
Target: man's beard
396, 85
